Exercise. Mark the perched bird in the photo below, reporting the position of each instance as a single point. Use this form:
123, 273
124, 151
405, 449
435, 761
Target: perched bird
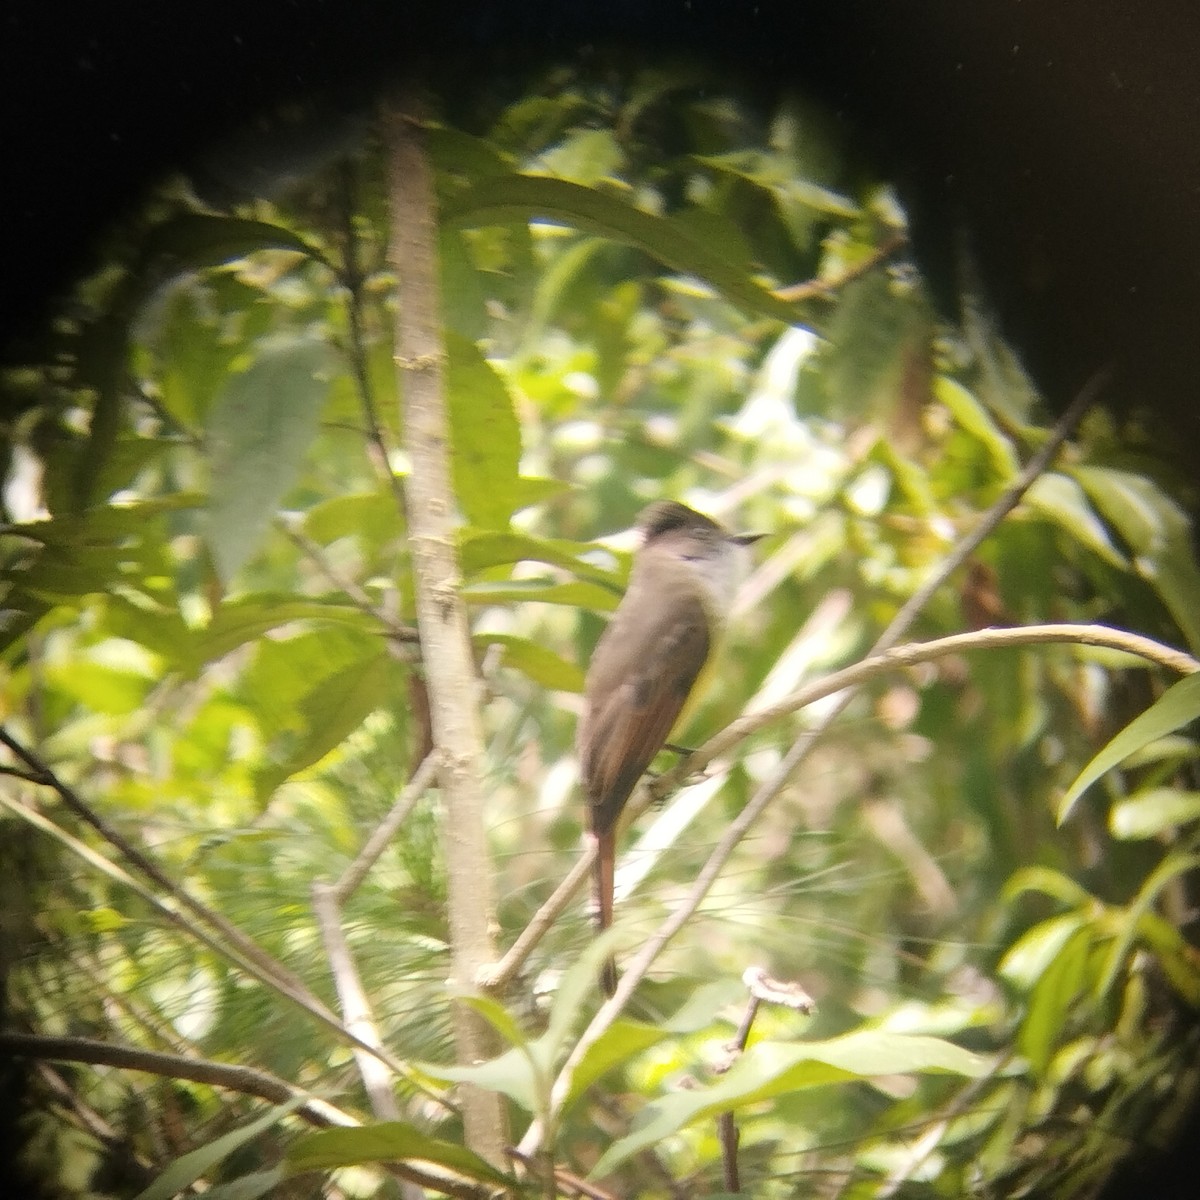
680, 591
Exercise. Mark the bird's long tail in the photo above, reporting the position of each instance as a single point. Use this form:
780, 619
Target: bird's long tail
606, 853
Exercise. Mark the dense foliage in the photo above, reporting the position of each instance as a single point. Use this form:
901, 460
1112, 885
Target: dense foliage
649, 289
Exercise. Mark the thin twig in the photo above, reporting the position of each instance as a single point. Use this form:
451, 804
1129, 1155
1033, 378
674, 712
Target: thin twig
770, 788
763, 990
565, 1181
499, 975
142, 862
379, 840
910, 655
352, 280
350, 587
28, 776
823, 289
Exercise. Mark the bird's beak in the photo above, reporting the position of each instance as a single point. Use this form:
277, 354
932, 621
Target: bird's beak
745, 539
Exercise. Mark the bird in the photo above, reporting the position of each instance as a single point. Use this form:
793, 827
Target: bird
645, 665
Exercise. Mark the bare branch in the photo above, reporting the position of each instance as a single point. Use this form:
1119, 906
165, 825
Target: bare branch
498, 976
246, 1080
356, 1008
353, 591
268, 967
826, 289
352, 280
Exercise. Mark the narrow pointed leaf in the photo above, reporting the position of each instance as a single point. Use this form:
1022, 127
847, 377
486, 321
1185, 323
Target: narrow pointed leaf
185, 1171
484, 435
387, 1141
1177, 707
531, 196
543, 666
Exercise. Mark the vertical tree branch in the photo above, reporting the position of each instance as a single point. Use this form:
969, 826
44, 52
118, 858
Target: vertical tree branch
441, 614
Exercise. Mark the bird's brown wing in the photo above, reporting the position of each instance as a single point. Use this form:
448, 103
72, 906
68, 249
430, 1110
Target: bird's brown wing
629, 729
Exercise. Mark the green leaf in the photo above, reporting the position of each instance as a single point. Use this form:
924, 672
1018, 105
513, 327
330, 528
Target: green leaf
193, 241
334, 708
513, 1074
485, 438
260, 429
542, 591
543, 666
530, 197
481, 549
1028, 959
1152, 812
577, 989
628, 1038
584, 156
1061, 499
1055, 996
371, 516
972, 417
872, 330
1159, 534
248, 617
1179, 960
532, 489
1136, 915
775, 173
283, 672
553, 288
458, 153
189, 242
185, 1171
624, 1040
464, 290
1175, 708
387, 1141
1050, 883
99, 687
249, 1187
497, 1016
771, 1069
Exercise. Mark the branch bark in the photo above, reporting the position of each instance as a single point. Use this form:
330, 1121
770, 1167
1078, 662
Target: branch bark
441, 613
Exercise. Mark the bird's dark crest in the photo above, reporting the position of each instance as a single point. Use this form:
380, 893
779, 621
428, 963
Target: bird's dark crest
665, 515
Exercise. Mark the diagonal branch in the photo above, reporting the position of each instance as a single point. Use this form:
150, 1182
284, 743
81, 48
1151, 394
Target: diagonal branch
246, 1080
327, 901
268, 967
233, 1078
356, 1007
189, 915
368, 856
